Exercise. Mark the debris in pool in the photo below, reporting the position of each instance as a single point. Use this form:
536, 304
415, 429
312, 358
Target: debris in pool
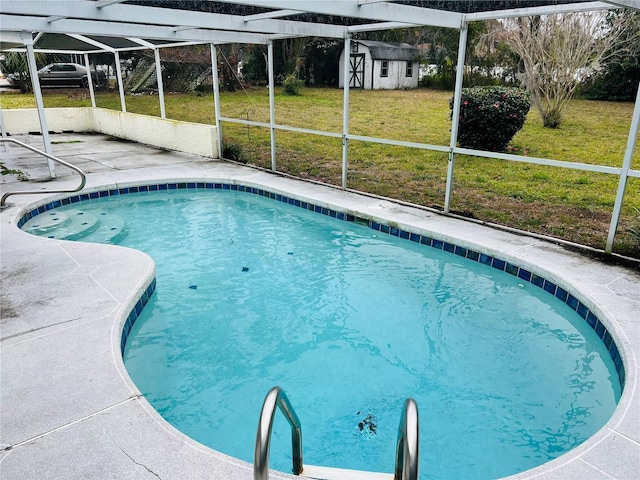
245, 269
366, 428
193, 287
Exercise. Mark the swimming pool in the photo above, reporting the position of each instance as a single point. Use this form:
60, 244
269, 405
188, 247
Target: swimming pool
488, 264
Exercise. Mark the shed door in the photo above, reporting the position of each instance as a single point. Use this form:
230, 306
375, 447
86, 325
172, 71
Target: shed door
356, 67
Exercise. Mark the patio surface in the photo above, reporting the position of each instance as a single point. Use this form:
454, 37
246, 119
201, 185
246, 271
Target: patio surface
68, 407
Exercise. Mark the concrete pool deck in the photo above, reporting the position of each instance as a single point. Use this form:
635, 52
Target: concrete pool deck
68, 407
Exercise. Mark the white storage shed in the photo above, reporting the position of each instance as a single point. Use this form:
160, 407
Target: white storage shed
381, 65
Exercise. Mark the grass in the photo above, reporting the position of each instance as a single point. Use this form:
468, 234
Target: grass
568, 204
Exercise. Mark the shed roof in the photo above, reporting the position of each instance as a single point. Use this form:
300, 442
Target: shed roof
390, 51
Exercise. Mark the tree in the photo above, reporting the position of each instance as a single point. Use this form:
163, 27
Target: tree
619, 78
294, 52
228, 66
557, 52
254, 65
323, 59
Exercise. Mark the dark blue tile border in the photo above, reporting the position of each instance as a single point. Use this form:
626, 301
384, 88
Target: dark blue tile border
555, 290
135, 313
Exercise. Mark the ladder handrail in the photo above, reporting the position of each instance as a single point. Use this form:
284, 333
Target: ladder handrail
407, 448
83, 178
276, 397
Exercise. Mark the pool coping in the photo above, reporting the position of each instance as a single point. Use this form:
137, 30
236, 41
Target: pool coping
613, 301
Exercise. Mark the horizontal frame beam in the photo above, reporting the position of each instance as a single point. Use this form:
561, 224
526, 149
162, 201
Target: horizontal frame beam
546, 10
625, 3
539, 161
281, 127
120, 29
373, 27
164, 17
381, 11
92, 52
274, 14
445, 149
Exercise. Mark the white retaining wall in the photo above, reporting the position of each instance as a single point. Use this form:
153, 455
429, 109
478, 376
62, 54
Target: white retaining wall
186, 137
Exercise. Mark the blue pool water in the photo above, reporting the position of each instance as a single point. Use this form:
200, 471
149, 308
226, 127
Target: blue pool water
253, 293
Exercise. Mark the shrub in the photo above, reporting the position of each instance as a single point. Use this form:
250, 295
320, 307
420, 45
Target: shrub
205, 88
233, 152
291, 84
491, 116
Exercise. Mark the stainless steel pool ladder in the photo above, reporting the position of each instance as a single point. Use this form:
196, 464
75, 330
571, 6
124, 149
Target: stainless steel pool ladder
276, 397
83, 178
407, 453
407, 448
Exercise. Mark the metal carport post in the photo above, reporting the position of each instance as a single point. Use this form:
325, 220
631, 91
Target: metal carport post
455, 116
156, 56
216, 95
27, 39
624, 173
272, 105
345, 111
123, 104
90, 81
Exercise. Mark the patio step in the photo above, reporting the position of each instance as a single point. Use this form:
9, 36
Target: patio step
76, 224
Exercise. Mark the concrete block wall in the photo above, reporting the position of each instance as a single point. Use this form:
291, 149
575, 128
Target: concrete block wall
25, 120
186, 137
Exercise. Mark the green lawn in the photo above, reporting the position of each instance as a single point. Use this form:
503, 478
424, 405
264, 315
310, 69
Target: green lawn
563, 203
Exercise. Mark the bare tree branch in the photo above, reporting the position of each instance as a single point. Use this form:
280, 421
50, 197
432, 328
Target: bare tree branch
558, 52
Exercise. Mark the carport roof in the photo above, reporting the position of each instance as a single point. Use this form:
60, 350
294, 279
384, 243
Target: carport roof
82, 26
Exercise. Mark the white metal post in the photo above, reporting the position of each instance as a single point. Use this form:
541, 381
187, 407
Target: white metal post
35, 82
272, 104
90, 80
345, 109
455, 116
3, 128
156, 53
624, 173
216, 95
123, 105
